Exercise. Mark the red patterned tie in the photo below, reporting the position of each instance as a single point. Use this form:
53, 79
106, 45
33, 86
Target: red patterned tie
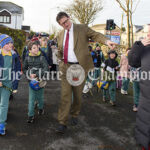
66, 48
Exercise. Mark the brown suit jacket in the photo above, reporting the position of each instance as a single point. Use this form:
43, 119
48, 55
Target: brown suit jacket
82, 33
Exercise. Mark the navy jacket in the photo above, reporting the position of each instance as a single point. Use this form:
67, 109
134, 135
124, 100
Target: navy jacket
16, 68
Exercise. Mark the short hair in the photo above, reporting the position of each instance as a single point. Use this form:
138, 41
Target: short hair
31, 44
60, 15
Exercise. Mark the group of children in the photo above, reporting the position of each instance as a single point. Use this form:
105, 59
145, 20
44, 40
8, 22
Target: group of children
38, 55
36, 61
110, 70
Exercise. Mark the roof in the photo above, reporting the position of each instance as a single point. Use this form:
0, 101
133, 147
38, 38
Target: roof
138, 28
11, 7
1, 25
100, 26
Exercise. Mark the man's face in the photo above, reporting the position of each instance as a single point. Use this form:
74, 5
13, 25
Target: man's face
65, 22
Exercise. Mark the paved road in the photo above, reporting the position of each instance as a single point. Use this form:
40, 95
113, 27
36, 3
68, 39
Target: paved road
101, 126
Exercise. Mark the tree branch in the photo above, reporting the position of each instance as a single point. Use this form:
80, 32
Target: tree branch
121, 6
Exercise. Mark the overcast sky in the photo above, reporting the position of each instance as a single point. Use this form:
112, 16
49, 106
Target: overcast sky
40, 14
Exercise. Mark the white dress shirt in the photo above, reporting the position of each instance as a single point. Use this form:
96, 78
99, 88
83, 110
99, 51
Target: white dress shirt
71, 55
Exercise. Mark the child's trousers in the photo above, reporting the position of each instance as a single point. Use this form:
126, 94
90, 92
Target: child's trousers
4, 103
97, 73
35, 96
111, 90
125, 84
136, 92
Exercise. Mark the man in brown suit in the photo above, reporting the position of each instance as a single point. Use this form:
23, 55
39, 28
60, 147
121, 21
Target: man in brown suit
73, 49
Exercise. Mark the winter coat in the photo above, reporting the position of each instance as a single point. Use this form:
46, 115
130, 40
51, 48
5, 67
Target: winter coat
140, 56
111, 74
47, 56
16, 68
98, 58
32, 65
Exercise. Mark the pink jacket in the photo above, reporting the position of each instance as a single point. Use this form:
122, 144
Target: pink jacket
124, 66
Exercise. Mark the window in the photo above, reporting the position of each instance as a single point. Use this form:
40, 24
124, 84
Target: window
5, 17
1, 19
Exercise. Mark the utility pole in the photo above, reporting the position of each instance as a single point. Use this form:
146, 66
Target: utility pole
121, 25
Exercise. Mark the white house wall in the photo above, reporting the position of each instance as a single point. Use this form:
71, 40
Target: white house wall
16, 21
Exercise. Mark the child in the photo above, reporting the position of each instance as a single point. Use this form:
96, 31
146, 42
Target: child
33, 64
99, 60
124, 72
8, 61
110, 67
46, 49
26, 51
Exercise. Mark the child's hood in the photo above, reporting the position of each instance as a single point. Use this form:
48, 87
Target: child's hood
112, 52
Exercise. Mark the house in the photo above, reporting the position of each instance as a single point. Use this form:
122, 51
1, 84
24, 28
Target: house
102, 29
115, 34
99, 28
11, 15
139, 32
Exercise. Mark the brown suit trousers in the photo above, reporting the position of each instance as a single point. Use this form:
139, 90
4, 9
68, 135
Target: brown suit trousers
71, 95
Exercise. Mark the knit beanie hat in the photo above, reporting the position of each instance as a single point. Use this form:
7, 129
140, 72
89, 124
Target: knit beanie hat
5, 39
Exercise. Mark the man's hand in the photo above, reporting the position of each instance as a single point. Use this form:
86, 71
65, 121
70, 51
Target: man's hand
32, 76
1, 84
111, 44
146, 41
53, 46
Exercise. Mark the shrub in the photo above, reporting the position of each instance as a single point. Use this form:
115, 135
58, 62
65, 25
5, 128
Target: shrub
18, 36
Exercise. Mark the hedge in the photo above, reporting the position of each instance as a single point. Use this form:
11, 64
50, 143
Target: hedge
18, 36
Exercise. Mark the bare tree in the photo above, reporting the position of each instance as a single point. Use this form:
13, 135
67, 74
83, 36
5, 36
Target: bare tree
84, 11
127, 7
132, 11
